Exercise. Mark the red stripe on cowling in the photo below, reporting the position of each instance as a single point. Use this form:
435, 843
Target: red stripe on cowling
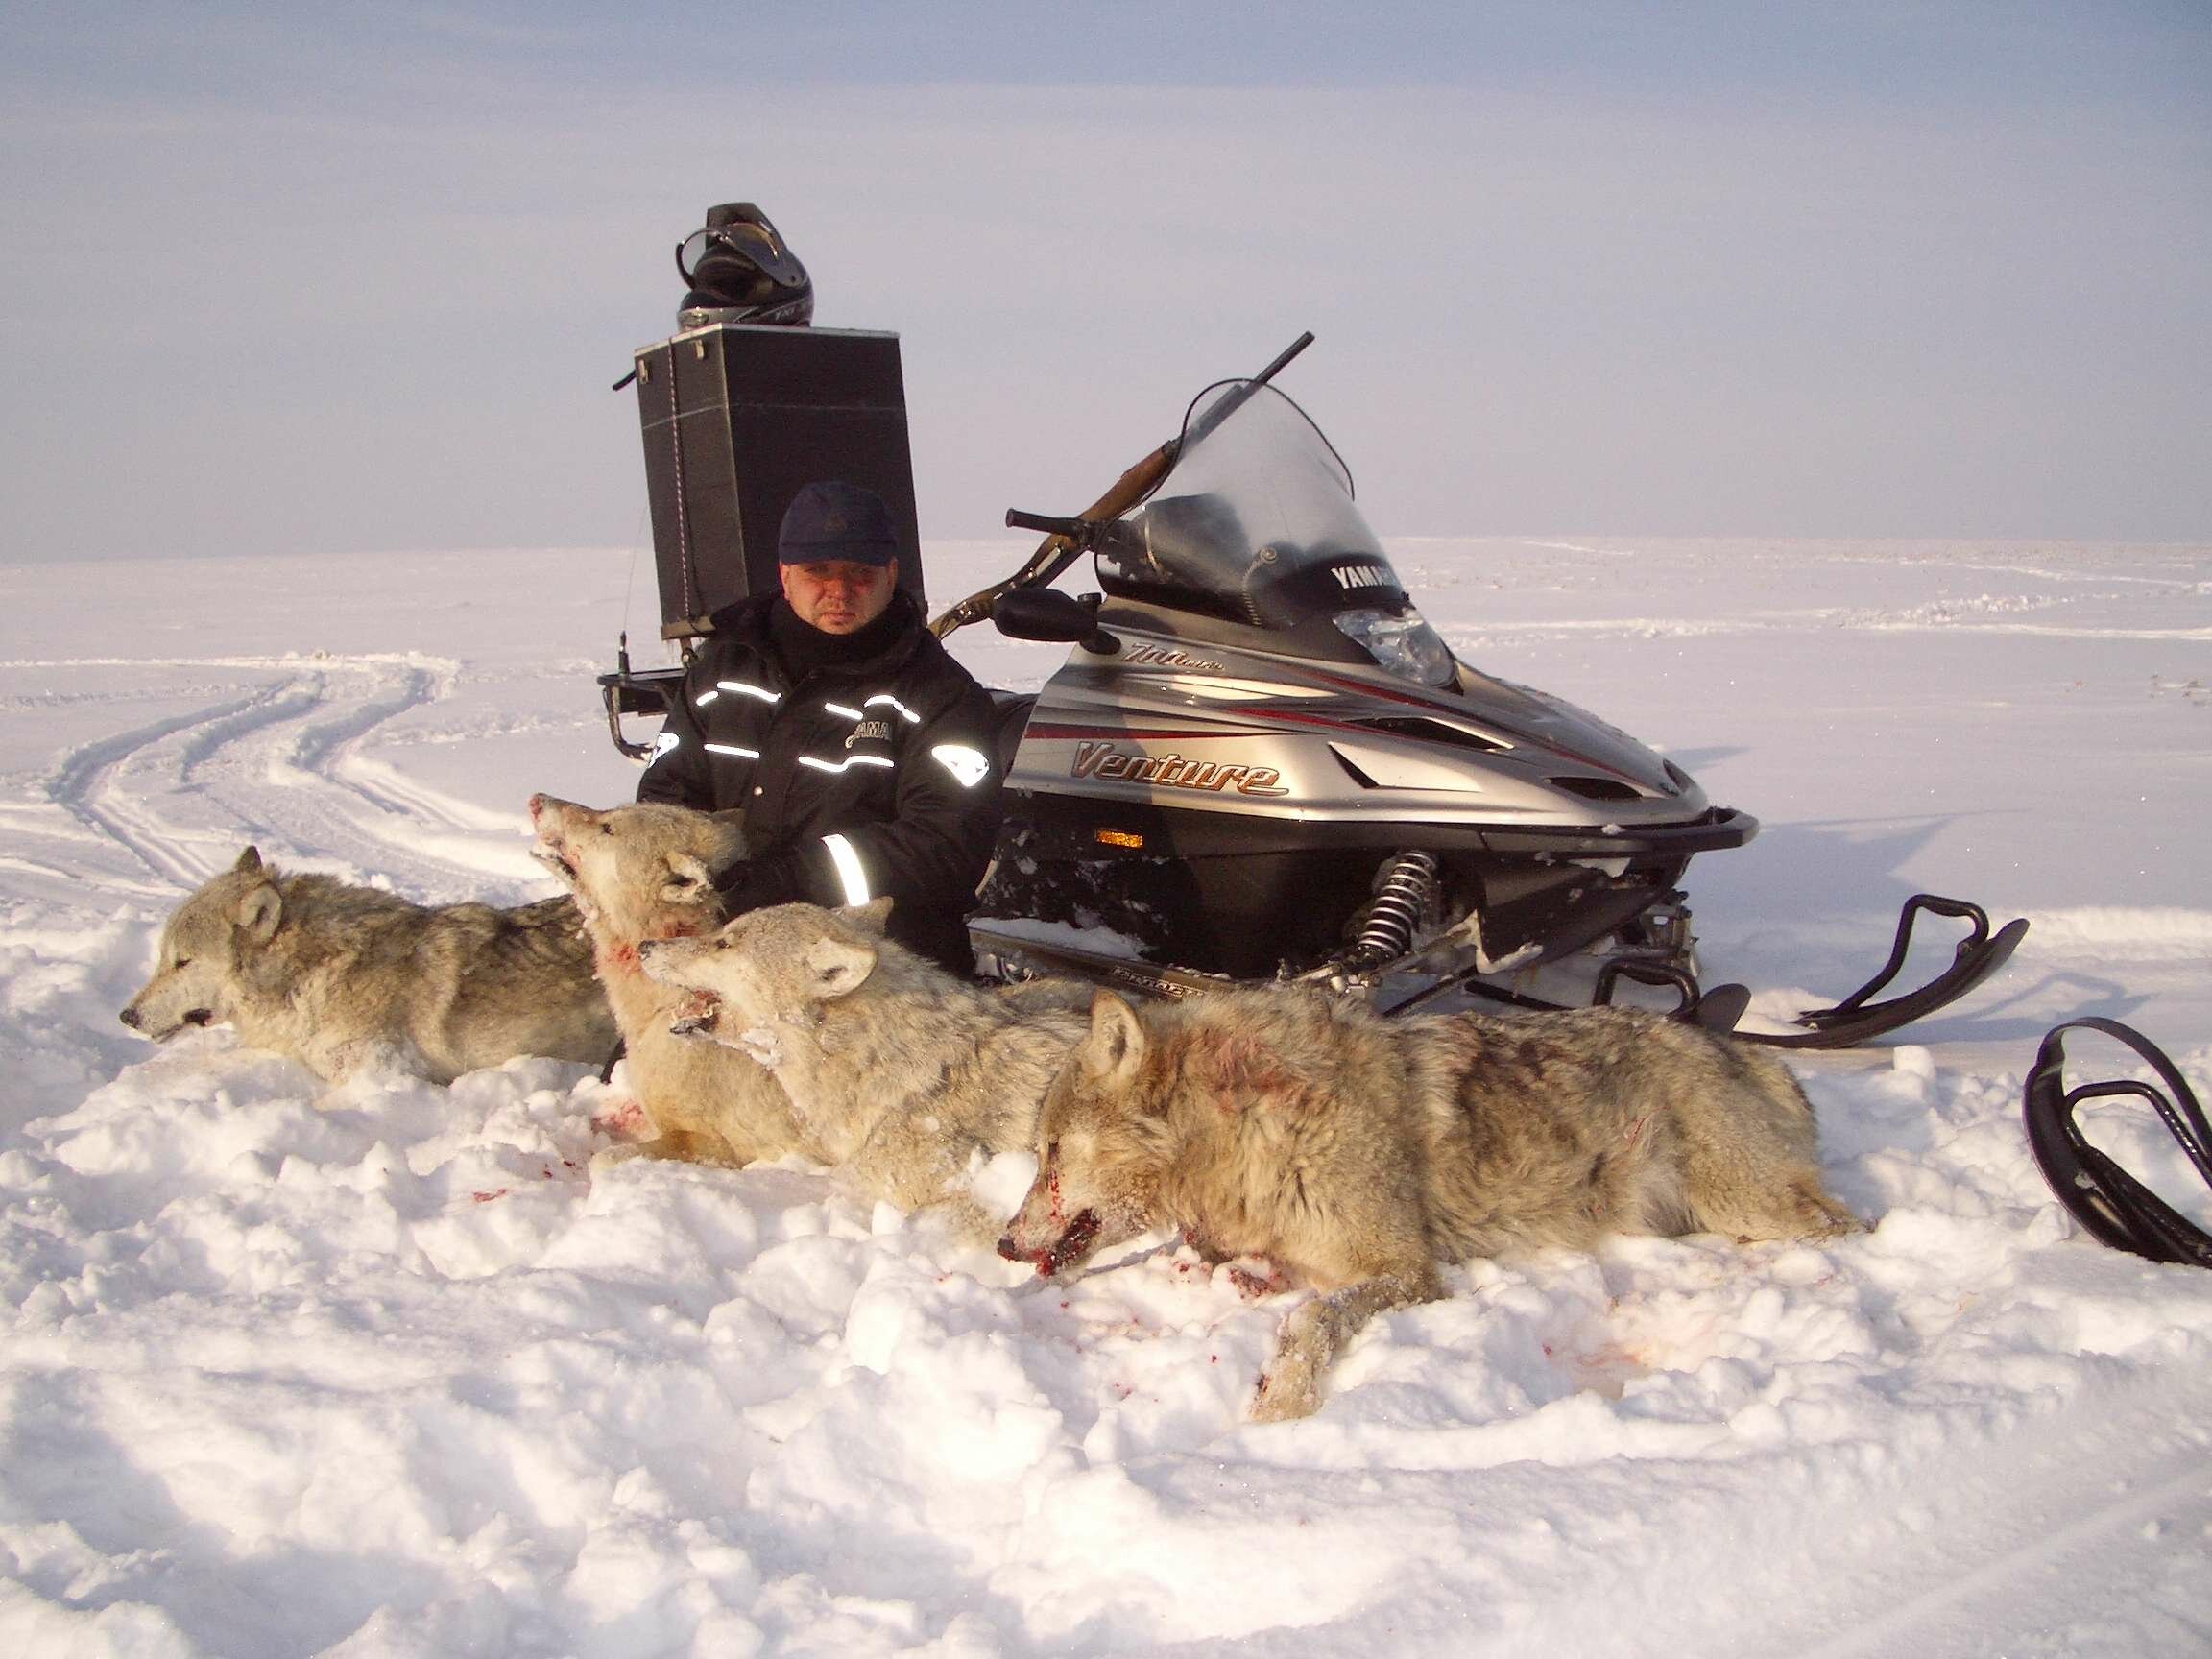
1133, 733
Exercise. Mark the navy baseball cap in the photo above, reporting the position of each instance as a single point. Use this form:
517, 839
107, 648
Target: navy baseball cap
829, 519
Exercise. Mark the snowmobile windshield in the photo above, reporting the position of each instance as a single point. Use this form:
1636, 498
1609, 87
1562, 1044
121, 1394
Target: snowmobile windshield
1256, 525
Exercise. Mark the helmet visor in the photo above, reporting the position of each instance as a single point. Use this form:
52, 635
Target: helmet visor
728, 256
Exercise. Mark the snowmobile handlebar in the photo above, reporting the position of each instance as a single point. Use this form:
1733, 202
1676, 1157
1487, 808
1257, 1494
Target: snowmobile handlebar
1056, 552
1060, 549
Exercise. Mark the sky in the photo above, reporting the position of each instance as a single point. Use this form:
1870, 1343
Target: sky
309, 278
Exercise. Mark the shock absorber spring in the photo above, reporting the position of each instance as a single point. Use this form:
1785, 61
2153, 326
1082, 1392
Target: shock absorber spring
1408, 885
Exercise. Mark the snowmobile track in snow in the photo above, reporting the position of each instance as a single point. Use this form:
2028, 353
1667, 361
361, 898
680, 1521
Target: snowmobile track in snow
277, 765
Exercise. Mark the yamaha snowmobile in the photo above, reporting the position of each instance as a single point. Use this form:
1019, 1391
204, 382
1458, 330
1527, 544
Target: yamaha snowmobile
1261, 763
1258, 761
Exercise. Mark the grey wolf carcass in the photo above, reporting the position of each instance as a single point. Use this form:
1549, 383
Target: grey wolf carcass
343, 977
1359, 1152
899, 1071
643, 873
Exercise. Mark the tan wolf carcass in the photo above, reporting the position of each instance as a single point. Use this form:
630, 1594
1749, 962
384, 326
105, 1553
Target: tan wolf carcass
643, 873
347, 978
901, 1072
1359, 1152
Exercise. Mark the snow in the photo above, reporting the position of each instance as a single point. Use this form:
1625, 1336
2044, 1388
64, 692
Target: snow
391, 1369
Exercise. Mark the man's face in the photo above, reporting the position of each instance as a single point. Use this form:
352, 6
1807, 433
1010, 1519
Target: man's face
838, 596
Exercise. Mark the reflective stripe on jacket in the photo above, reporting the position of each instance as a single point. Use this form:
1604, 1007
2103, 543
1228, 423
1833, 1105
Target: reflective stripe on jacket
869, 780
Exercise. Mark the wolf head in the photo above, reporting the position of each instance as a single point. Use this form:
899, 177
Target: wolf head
767, 975
637, 871
1102, 1145
204, 945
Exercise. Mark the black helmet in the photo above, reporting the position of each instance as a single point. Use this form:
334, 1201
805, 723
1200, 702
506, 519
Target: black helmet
739, 269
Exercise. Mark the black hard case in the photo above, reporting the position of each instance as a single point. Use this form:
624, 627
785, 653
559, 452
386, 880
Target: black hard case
736, 418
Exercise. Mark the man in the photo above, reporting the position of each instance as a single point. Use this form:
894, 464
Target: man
862, 755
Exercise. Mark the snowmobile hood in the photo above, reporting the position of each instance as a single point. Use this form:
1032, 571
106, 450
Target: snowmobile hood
1539, 718
1169, 705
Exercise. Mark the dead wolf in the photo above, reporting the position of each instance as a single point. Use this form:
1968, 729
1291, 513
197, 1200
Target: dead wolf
1359, 1152
643, 873
899, 1071
346, 978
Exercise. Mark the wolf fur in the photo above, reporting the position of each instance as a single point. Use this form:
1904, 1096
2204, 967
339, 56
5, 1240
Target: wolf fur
346, 978
644, 872
1359, 1152
899, 1070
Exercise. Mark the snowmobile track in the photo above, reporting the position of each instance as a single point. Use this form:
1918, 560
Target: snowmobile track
278, 764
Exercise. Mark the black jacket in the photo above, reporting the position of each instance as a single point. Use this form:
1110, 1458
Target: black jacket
863, 779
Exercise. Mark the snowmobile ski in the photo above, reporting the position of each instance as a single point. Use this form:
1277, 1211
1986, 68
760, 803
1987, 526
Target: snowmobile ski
1849, 1023
2113, 1206
1857, 1018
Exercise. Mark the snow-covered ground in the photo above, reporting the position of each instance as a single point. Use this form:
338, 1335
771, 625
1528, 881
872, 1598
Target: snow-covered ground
392, 1370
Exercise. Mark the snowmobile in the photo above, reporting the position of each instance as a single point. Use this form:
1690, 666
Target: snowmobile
1261, 763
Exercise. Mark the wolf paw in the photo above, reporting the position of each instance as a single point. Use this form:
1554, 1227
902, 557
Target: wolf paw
1286, 1392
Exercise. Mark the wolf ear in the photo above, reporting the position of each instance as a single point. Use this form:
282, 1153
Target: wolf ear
689, 881
248, 862
837, 966
260, 910
1115, 1045
871, 916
